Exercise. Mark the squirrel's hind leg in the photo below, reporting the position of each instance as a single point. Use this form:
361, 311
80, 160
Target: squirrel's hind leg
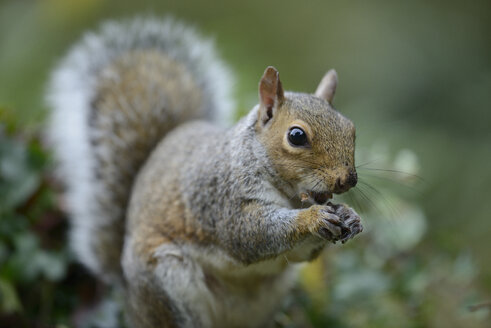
167, 292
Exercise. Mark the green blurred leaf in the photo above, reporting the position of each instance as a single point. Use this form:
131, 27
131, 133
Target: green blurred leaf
18, 178
30, 262
9, 300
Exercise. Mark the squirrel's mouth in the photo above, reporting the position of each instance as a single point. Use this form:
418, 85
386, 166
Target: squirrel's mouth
318, 197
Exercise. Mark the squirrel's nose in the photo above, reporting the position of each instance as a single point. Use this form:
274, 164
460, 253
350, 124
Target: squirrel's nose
352, 179
346, 182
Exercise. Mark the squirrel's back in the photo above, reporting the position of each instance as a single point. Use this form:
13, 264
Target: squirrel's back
115, 95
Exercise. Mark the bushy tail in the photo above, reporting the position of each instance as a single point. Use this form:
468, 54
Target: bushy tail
114, 96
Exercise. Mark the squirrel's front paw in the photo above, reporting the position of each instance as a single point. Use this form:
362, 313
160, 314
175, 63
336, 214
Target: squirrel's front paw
338, 223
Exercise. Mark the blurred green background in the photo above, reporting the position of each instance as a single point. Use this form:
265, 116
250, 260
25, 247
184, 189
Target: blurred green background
415, 77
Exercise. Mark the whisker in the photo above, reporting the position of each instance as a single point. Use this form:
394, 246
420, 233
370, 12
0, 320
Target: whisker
319, 180
355, 201
392, 181
390, 206
361, 201
368, 162
368, 200
393, 171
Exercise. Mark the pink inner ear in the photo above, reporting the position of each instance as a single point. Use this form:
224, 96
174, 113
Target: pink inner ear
267, 98
270, 88
270, 92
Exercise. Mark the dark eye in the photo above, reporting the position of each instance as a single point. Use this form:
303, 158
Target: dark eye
297, 137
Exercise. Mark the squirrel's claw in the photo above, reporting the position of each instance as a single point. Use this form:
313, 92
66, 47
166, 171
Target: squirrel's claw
340, 223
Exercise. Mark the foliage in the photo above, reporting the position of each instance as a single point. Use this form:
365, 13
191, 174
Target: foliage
39, 283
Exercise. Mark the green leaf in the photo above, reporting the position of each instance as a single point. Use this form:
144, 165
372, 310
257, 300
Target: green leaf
18, 179
9, 300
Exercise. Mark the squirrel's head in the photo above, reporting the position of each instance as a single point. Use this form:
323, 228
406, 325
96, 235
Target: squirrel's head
310, 145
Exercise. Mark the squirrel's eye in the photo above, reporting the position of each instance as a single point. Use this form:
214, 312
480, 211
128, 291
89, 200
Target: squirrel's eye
297, 137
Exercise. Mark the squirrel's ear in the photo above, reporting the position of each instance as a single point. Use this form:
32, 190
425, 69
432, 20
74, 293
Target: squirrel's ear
270, 94
327, 87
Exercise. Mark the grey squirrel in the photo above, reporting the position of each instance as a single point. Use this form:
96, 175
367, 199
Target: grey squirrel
199, 224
